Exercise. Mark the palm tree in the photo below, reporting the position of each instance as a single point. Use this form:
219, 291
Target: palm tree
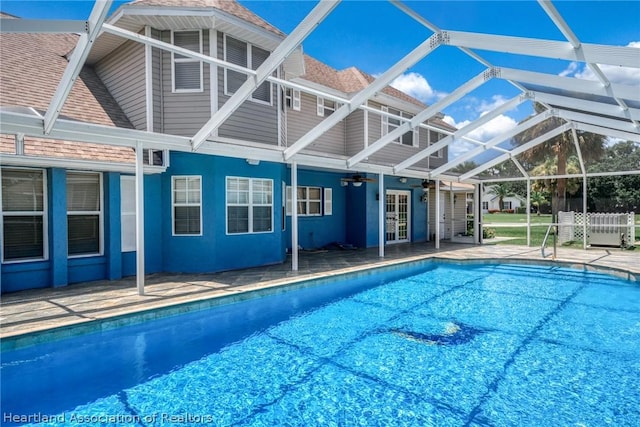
466, 166
538, 198
501, 190
561, 148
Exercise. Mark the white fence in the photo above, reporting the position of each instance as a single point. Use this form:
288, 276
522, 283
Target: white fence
603, 229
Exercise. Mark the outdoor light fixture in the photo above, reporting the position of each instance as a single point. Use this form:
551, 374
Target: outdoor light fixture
253, 162
357, 183
343, 183
403, 180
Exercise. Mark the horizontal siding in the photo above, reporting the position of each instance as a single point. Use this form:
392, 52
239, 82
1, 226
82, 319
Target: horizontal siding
355, 132
252, 121
123, 73
301, 122
184, 113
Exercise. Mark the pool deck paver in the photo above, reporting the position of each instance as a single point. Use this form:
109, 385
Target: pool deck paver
39, 310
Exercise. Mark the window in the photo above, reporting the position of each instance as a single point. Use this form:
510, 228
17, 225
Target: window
187, 210
249, 205
292, 99
433, 138
249, 56
309, 201
155, 157
84, 213
23, 214
389, 124
187, 72
325, 107
485, 206
507, 205
127, 213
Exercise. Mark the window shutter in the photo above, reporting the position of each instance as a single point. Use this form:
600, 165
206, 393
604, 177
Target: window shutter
320, 106
328, 201
258, 56
288, 201
127, 213
296, 100
385, 121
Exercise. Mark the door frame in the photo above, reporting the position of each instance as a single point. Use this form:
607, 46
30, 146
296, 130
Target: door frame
396, 194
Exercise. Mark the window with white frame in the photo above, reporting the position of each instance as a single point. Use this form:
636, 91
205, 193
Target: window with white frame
312, 201
507, 204
127, 213
309, 201
433, 138
292, 99
485, 206
325, 107
23, 214
187, 72
84, 213
389, 124
249, 56
249, 205
186, 196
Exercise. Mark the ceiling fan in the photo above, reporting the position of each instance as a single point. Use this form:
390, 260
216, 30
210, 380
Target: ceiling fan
425, 185
356, 180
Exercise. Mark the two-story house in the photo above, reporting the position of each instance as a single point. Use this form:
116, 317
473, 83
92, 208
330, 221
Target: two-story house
68, 206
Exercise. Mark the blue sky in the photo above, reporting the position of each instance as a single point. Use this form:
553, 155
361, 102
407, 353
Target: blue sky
373, 35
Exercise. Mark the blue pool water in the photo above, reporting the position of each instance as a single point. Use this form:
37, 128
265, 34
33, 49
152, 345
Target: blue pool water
451, 345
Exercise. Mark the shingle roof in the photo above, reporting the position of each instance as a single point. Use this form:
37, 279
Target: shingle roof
230, 6
353, 80
31, 66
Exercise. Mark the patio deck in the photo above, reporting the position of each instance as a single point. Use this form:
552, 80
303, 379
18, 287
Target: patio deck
41, 310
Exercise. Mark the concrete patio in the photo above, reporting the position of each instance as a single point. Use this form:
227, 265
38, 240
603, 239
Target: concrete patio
30, 313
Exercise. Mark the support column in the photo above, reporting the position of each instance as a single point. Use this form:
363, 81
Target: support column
294, 216
139, 219
381, 214
437, 214
477, 218
584, 212
451, 203
57, 227
529, 211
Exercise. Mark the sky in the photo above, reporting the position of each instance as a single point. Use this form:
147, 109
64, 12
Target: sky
374, 35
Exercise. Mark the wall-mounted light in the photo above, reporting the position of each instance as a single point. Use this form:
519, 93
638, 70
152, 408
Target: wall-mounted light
253, 162
403, 180
344, 183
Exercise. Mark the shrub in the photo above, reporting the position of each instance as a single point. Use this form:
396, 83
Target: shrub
488, 233
492, 211
507, 210
521, 210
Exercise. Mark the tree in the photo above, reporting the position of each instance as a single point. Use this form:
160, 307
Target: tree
619, 193
538, 198
501, 190
467, 166
561, 147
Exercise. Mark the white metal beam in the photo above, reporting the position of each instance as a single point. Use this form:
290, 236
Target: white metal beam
294, 216
590, 106
512, 103
60, 26
493, 142
570, 84
601, 54
381, 214
139, 184
80, 53
424, 115
288, 45
521, 149
596, 120
361, 97
576, 143
600, 130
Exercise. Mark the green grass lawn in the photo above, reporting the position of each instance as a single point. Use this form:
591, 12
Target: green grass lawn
518, 234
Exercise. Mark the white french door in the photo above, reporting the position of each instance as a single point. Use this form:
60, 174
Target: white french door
398, 224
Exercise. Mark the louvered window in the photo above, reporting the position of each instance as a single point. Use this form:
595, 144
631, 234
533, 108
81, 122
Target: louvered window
249, 56
187, 72
23, 214
84, 213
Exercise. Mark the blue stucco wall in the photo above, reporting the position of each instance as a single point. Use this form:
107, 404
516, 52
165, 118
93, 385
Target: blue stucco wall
215, 250
316, 232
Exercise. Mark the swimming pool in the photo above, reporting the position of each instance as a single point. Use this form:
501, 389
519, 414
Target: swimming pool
452, 344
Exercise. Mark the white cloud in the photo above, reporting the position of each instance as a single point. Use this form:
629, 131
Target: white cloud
414, 84
496, 101
622, 75
486, 132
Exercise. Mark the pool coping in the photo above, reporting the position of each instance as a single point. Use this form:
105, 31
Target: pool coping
161, 309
